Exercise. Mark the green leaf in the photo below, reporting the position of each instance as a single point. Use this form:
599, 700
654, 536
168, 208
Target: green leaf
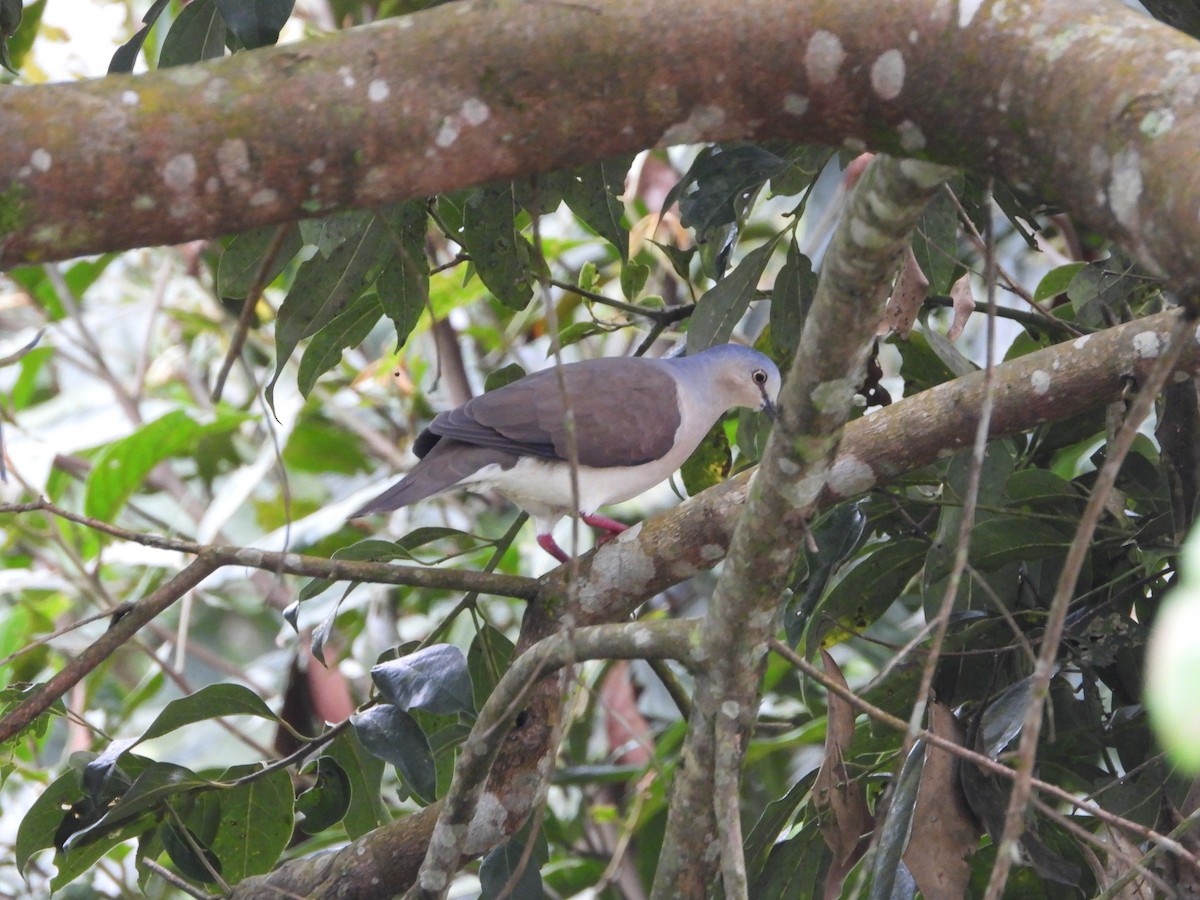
394, 736
889, 868
197, 33
20, 41
158, 783
487, 660
41, 823
211, 702
325, 803
123, 465
403, 285
722, 307
330, 232
365, 771
256, 822
592, 193
255, 22
434, 678
498, 250
791, 298
710, 463
1056, 281
865, 592
998, 541
935, 239
349, 329
244, 257
500, 377
633, 279
126, 55
725, 180
180, 848
325, 286
502, 864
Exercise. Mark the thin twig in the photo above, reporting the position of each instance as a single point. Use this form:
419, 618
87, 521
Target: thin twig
253, 295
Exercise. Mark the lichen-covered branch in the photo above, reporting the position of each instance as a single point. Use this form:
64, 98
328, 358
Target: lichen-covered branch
1091, 106
472, 818
814, 404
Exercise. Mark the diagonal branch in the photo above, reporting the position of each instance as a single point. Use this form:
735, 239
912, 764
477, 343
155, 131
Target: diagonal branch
813, 407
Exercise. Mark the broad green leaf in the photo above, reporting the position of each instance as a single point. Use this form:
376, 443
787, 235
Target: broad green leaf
795, 287
180, 849
1056, 281
394, 736
487, 660
592, 193
151, 789
255, 22
935, 239
837, 535
709, 463
126, 55
795, 868
633, 279
330, 232
325, 286
243, 259
256, 822
805, 163
197, 33
434, 678
211, 702
19, 41
500, 377
122, 466
365, 771
500, 866
325, 803
888, 867
500, 253
1004, 539
349, 329
865, 592
40, 824
403, 285
719, 186
722, 307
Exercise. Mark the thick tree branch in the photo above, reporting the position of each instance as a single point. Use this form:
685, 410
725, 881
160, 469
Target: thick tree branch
1093, 107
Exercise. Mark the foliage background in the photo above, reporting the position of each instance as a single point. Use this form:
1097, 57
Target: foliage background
116, 414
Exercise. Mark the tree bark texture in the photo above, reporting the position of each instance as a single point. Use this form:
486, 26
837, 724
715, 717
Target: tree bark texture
1093, 106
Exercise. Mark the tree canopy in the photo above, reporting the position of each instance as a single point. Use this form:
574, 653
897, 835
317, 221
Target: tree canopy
892, 642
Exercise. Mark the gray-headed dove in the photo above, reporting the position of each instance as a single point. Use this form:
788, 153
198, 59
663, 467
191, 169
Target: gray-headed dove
635, 420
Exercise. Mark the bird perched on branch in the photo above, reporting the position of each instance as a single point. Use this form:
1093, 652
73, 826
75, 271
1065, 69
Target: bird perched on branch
634, 420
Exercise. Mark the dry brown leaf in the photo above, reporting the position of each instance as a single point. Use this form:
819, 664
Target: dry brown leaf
944, 832
964, 304
908, 294
841, 802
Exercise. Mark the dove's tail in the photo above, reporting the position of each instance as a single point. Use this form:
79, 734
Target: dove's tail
446, 465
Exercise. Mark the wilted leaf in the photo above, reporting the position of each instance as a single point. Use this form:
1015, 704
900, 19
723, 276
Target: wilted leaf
840, 801
944, 832
908, 294
964, 305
